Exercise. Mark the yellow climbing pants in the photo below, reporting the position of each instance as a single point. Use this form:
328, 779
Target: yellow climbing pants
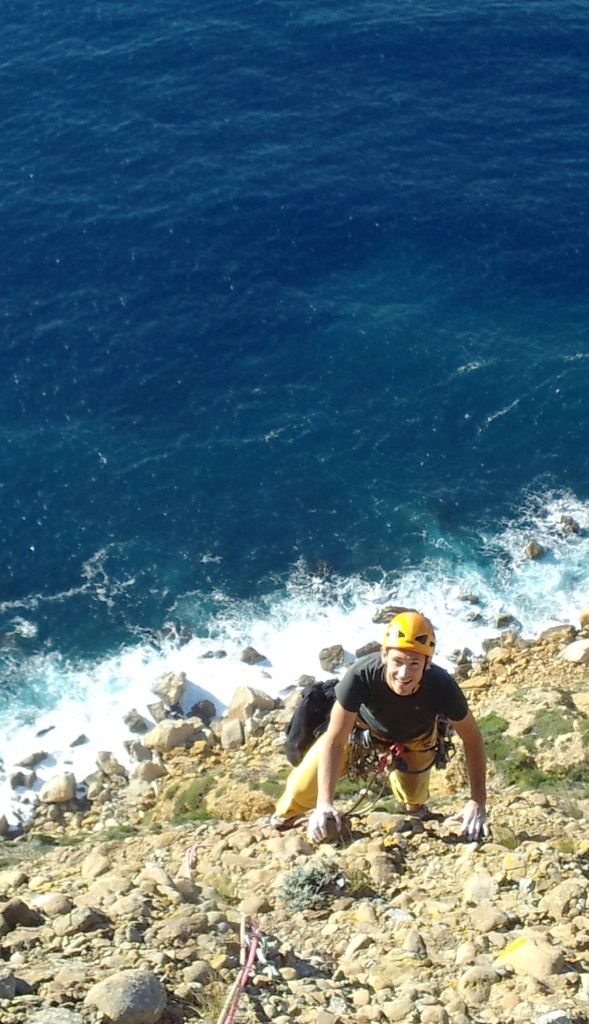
300, 794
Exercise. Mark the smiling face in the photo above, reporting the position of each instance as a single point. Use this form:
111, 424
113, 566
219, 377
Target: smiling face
404, 669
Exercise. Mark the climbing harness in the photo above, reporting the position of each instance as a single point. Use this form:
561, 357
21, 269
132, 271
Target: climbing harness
374, 757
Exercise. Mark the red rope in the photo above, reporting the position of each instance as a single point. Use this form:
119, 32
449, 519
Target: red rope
251, 956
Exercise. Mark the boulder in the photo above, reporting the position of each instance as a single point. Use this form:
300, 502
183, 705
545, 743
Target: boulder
33, 759
577, 652
135, 722
475, 984
557, 902
170, 688
17, 914
251, 656
173, 733
534, 550
147, 771
232, 733
246, 700
108, 764
533, 956
331, 658
129, 997
58, 790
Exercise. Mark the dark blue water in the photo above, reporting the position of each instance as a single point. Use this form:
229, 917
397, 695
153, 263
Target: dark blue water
281, 285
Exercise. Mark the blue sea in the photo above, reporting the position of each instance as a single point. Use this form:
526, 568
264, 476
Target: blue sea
295, 323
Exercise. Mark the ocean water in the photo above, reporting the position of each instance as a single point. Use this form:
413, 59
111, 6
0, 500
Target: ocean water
294, 323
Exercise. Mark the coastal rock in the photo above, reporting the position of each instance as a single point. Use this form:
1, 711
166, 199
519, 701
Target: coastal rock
331, 658
3, 825
569, 524
577, 652
251, 656
129, 997
246, 700
147, 771
387, 613
170, 688
31, 760
173, 733
203, 709
232, 733
534, 550
108, 764
60, 789
135, 722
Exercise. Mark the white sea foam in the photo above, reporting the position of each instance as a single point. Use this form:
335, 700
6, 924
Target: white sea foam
291, 627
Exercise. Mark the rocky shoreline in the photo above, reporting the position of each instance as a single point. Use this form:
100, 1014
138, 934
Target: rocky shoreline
125, 902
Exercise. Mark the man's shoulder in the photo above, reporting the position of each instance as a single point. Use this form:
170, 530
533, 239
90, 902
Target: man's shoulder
439, 676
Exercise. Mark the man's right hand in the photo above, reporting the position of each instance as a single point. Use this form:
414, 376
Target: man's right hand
317, 829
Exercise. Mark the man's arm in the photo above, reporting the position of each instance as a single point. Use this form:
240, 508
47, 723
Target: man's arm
329, 769
474, 818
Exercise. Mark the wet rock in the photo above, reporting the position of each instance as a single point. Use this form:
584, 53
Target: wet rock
80, 740
129, 997
252, 657
569, 524
388, 612
135, 722
534, 550
31, 760
369, 648
170, 688
203, 709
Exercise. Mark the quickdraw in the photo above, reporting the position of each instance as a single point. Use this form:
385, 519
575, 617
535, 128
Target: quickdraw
249, 949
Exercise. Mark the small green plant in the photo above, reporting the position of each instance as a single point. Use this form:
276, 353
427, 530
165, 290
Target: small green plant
312, 887
172, 790
550, 723
189, 804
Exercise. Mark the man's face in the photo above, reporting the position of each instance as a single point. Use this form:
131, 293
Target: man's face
404, 670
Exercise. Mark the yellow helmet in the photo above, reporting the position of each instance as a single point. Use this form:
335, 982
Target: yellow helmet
410, 631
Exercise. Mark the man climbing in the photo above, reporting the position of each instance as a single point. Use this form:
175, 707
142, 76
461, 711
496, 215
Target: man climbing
398, 695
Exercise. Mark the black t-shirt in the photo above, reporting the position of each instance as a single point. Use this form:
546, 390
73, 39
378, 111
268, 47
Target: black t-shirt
364, 689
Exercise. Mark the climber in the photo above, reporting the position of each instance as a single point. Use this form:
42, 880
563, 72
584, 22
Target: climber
397, 694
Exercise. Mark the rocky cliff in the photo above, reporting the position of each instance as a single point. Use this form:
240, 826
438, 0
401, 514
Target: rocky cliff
135, 903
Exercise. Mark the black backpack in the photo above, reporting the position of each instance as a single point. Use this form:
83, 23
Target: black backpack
310, 719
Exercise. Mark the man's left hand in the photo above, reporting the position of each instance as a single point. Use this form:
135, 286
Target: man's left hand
474, 821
